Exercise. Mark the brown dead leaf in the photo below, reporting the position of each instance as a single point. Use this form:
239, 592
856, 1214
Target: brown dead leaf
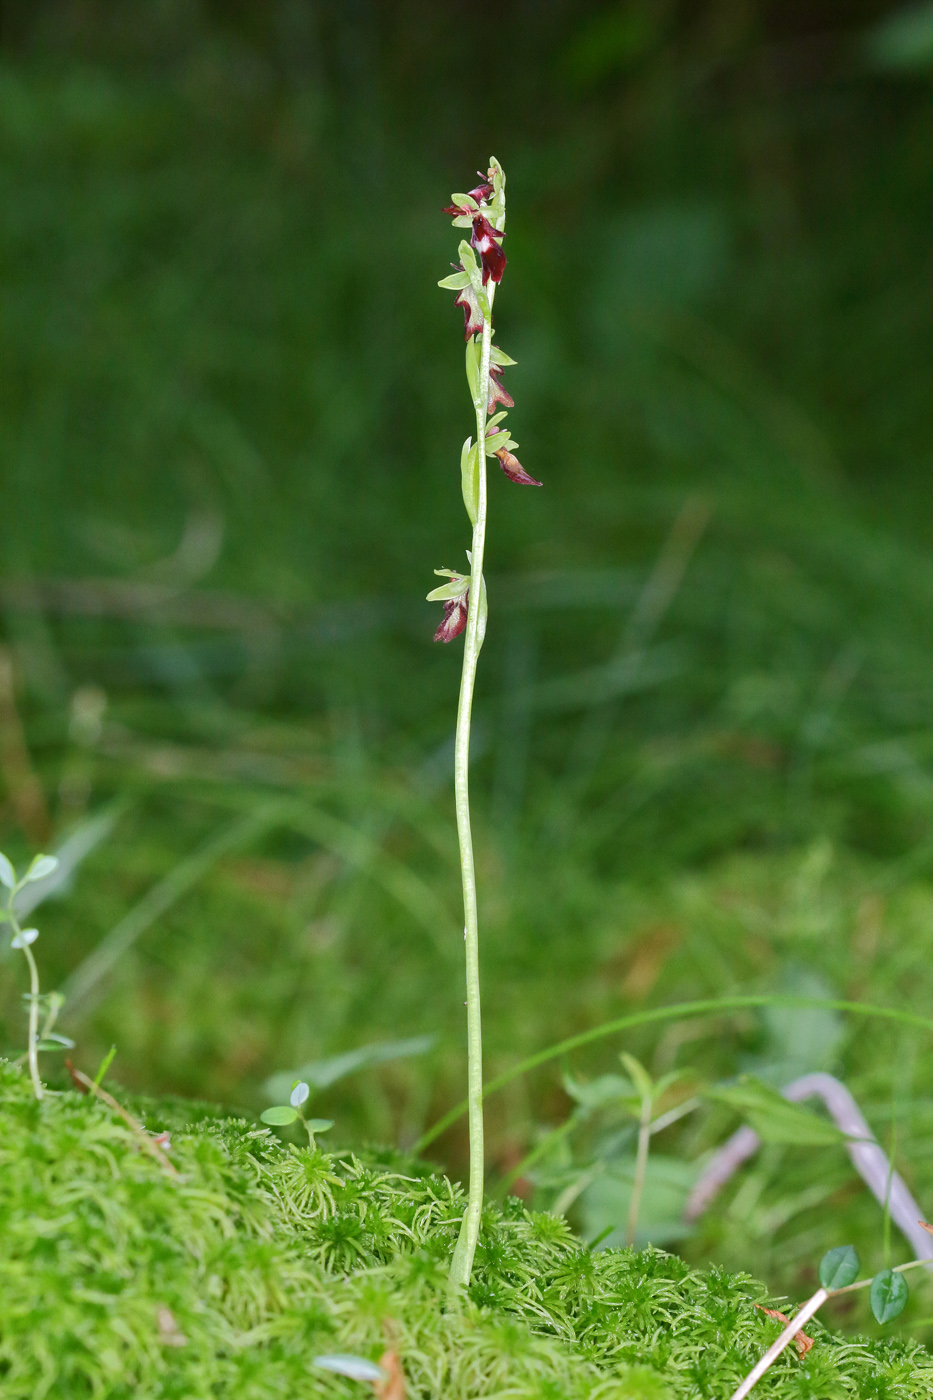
393, 1387
802, 1342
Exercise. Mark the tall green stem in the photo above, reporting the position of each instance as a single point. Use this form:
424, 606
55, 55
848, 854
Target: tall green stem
33, 1018
462, 1264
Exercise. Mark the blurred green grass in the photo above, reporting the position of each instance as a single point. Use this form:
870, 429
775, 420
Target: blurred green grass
230, 414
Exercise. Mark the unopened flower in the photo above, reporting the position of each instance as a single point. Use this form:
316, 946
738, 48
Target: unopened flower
514, 469
488, 243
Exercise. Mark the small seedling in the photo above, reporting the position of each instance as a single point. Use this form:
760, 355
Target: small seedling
838, 1271
475, 280
23, 939
293, 1111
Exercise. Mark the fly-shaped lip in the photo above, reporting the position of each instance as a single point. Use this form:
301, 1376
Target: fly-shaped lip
487, 241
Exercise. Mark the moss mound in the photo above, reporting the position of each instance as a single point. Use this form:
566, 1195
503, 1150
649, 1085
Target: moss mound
119, 1280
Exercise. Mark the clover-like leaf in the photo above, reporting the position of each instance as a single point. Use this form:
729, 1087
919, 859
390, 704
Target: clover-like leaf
888, 1295
280, 1115
41, 866
319, 1125
25, 937
839, 1267
300, 1094
7, 873
54, 1041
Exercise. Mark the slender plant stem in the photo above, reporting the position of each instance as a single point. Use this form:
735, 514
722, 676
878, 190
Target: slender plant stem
33, 1020
641, 1169
462, 1263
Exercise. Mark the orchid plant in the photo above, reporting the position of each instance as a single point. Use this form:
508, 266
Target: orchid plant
475, 279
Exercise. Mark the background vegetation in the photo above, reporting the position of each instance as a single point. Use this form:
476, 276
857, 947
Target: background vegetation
230, 417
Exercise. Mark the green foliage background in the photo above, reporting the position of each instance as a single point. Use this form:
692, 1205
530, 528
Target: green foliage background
231, 406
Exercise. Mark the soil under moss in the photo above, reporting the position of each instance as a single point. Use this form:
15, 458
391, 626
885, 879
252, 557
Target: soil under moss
119, 1280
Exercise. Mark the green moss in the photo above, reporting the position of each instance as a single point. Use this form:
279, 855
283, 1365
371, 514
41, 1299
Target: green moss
266, 1255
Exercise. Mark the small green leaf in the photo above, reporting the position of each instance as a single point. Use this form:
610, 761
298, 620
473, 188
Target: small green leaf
319, 1125
839, 1267
888, 1295
7, 873
55, 1042
279, 1116
41, 866
469, 479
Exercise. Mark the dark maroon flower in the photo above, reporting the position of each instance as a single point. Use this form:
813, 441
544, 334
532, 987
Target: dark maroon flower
514, 469
497, 392
487, 242
455, 617
482, 191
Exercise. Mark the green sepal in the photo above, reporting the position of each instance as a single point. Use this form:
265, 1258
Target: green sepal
469, 480
472, 367
496, 441
464, 201
455, 282
888, 1295
496, 419
455, 588
462, 221
278, 1117
500, 359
